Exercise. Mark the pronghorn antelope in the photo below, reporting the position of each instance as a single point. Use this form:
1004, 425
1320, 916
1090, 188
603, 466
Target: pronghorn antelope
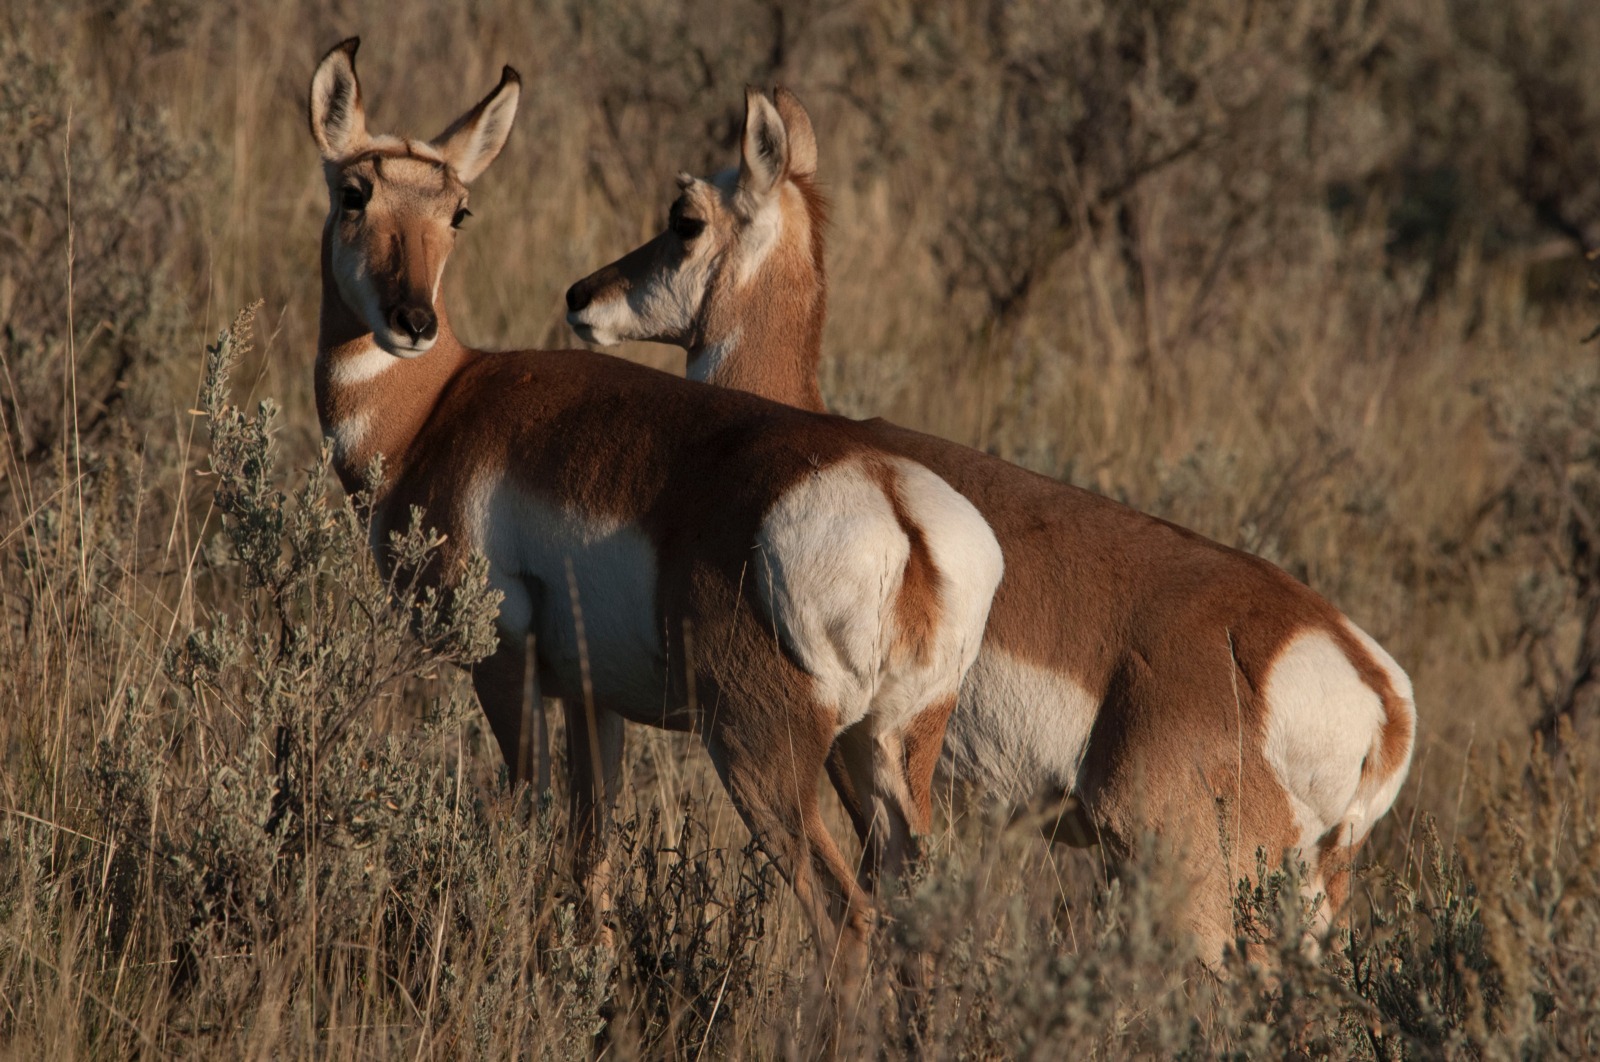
763, 575
1133, 674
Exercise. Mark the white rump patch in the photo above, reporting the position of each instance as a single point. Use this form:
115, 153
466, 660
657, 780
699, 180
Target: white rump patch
832, 557
829, 560
1019, 730
1322, 721
1371, 805
968, 559
528, 540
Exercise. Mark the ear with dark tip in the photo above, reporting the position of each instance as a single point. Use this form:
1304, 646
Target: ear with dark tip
338, 121
764, 150
474, 139
802, 138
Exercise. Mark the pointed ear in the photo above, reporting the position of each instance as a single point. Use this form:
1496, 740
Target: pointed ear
802, 138
764, 153
338, 122
474, 139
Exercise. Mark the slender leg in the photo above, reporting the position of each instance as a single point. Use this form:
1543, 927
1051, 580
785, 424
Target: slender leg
851, 767
1334, 863
594, 757
844, 784
507, 685
771, 776
891, 776
921, 743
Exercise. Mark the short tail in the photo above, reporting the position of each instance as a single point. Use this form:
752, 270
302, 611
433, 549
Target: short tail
1388, 760
1383, 771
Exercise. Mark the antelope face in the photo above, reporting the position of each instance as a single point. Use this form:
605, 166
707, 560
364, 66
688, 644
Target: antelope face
658, 291
394, 203
720, 234
392, 220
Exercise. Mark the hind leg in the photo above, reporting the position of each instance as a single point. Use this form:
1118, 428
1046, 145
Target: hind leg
906, 778
911, 797
1333, 865
1202, 836
1063, 821
890, 775
771, 775
889, 780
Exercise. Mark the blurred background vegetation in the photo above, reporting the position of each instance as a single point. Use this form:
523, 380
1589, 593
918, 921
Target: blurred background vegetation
1311, 278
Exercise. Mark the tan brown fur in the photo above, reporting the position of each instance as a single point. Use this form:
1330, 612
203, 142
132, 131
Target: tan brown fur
917, 606
924, 739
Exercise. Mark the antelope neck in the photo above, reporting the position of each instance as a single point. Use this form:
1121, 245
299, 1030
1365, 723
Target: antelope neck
371, 402
766, 355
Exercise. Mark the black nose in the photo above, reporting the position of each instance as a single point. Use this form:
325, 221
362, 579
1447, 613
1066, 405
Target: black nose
413, 320
577, 297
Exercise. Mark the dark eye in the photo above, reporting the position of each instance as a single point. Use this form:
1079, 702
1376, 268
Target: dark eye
353, 198
461, 215
687, 229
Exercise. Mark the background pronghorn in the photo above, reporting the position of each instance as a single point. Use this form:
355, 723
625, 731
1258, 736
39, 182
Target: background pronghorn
1144, 676
763, 575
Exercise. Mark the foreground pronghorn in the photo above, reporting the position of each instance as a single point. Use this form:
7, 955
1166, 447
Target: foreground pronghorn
763, 575
1164, 681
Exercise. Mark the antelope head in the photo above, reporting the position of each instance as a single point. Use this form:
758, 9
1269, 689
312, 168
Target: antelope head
395, 203
726, 238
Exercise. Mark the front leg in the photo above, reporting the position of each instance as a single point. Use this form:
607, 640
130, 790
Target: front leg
507, 684
594, 761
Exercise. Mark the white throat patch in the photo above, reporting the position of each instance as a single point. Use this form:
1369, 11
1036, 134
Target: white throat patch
704, 367
367, 363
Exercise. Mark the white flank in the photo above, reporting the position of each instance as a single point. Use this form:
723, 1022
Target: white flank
970, 565
1019, 731
529, 541
828, 563
1370, 806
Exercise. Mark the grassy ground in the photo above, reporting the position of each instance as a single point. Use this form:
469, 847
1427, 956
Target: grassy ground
1295, 280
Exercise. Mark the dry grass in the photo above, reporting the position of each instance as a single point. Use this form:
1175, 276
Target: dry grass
1281, 278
